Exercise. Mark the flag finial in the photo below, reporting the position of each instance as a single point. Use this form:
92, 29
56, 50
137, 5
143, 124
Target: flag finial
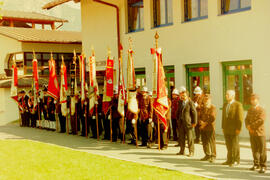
109, 52
51, 56
34, 54
63, 62
93, 50
156, 37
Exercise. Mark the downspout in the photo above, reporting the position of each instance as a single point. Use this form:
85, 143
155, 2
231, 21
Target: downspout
117, 19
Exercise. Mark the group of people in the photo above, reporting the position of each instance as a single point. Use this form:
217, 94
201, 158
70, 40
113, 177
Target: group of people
189, 121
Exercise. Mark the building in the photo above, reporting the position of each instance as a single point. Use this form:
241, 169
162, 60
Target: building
216, 44
21, 33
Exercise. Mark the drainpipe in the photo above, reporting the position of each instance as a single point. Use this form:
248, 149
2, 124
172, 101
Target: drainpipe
117, 19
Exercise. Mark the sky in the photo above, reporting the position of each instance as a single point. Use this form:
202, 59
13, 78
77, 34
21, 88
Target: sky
70, 11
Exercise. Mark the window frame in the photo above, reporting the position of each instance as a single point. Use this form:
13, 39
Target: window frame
224, 12
154, 14
129, 30
240, 73
201, 74
187, 19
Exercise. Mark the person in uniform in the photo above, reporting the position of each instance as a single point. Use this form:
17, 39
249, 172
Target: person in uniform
116, 116
32, 109
198, 100
22, 107
44, 107
51, 112
97, 113
255, 124
145, 115
207, 127
62, 119
232, 119
175, 102
187, 120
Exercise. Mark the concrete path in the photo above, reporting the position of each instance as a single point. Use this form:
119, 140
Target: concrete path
165, 159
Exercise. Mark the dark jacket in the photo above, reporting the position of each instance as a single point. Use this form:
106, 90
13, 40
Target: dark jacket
186, 114
233, 121
255, 119
208, 118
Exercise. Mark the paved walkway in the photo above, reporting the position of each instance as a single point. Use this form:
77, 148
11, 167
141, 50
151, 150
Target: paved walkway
165, 159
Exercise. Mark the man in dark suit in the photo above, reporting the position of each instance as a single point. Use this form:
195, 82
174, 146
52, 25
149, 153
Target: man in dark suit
232, 118
255, 124
187, 120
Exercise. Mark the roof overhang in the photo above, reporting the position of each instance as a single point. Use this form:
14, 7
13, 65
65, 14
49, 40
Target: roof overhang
55, 3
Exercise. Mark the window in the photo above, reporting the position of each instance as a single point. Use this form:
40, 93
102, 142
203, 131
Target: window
230, 6
238, 77
195, 9
140, 77
162, 12
170, 79
198, 75
135, 15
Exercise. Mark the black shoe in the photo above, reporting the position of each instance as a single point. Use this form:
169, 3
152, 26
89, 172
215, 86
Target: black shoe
143, 145
132, 142
164, 147
177, 145
253, 168
226, 163
262, 170
180, 153
205, 158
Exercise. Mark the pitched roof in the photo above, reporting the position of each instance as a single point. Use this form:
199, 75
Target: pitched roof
7, 14
42, 36
54, 3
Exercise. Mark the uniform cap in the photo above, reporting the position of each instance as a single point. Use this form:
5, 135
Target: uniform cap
197, 90
182, 89
176, 92
144, 89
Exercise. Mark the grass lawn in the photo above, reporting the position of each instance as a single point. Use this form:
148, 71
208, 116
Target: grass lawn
23, 159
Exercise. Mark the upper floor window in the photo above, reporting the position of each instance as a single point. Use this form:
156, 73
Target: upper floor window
162, 12
135, 15
195, 9
230, 6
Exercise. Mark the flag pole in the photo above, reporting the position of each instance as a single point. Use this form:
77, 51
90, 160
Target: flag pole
111, 123
97, 121
67, 122
157, 37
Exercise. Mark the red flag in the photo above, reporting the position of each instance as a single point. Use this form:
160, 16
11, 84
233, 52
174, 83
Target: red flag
109, 78
35, 73
53, 87
14, 84
160, 104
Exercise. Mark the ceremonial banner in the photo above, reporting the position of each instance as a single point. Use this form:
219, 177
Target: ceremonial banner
131, 81
109, 78
93, 83
63, 89
106, 100
53, 87
73, 86
160, 104
14, 84
35, 73
82, 63
122, 92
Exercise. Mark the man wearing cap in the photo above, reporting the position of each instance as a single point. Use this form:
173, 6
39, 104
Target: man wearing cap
232, 118
23, 101
187, 120
175, 102
207, 127
51, 112
198, 100
145, 115
255, 124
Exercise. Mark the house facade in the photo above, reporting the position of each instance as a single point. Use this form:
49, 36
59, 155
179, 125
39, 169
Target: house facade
215, 44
